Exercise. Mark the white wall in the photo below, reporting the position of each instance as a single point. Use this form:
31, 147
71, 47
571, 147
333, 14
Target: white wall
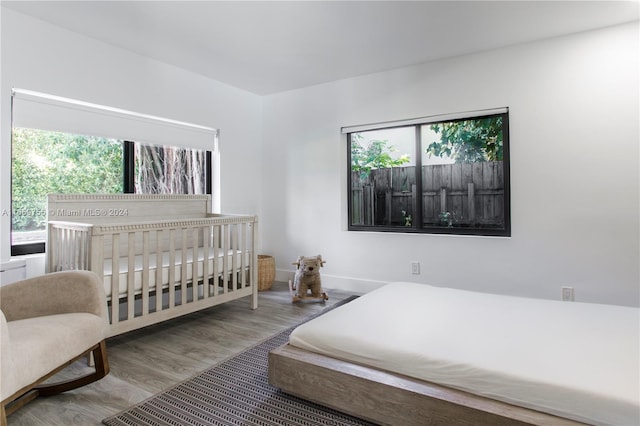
574, 171
574, 155
45, 58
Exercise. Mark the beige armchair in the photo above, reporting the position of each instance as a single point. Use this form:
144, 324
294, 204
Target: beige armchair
47, 323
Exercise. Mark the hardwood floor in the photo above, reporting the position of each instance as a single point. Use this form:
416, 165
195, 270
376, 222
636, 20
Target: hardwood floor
147, 361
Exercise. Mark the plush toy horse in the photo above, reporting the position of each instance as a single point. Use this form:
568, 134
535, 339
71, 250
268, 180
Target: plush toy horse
306, 281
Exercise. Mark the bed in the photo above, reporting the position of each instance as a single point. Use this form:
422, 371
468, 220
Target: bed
159, 256
414, 354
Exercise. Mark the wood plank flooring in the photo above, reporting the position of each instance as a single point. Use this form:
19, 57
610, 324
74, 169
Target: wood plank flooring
147, 361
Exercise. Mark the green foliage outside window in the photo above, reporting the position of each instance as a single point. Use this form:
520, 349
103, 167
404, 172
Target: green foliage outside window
469, 141
375, 156
45, 162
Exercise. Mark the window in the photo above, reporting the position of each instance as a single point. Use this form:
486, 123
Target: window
161, 169
49, 157
445, 175
46, 162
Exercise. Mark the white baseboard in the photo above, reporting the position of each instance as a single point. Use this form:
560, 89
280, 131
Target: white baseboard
354, 285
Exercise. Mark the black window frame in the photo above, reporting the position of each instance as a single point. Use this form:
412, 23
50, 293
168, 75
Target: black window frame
417, 216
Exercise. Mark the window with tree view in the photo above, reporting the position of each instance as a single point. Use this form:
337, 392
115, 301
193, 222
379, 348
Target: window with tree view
47, 162
432, 176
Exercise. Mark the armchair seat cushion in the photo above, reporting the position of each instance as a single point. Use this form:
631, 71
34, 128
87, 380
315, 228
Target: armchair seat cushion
39, 345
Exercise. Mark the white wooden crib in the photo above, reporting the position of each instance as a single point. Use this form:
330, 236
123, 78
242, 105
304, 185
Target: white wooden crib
160, 256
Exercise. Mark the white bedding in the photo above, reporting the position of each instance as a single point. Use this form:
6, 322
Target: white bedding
138, 268
575, 360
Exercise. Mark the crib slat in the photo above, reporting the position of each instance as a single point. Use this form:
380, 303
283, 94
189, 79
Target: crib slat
183, 267
80, 235
63, 249
59, 249
196, 262
81, 249
78, 249
69, 251
206, 234
115, 278
225, 258
64, 253
243, 250
216, 258
85, 250
72, 249
172, 268
77, 235
234, 255
96, 254
52, 258
52, 241
145, 273
87, 241
131, 275
48, 258
159, 268
254, 265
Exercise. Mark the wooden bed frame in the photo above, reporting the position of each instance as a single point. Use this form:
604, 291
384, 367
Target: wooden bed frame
391, 399
149, 239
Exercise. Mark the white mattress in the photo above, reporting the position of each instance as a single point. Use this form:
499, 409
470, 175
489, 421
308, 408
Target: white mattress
138, 268
575, 360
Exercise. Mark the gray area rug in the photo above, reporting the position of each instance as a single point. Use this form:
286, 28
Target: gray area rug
234, 392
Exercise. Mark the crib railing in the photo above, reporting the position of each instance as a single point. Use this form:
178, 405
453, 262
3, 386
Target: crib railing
68, 246
158, 270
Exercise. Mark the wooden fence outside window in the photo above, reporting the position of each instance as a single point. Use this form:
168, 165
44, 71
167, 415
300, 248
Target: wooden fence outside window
458, 195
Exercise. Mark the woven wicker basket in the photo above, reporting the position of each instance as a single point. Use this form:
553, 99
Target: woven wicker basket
266, 271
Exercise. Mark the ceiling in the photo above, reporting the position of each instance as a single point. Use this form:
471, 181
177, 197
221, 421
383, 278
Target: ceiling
266, 47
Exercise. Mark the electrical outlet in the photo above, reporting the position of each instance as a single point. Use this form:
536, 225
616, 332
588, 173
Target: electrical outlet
415, 268
567, 293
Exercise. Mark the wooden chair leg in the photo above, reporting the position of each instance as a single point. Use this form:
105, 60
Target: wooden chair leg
29, 393
3, 416
16, 404
101, 370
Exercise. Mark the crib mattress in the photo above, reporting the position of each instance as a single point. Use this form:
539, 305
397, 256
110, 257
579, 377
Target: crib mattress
575, 360
123, 265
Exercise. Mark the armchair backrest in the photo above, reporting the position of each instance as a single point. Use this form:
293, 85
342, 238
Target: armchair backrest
54, 293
